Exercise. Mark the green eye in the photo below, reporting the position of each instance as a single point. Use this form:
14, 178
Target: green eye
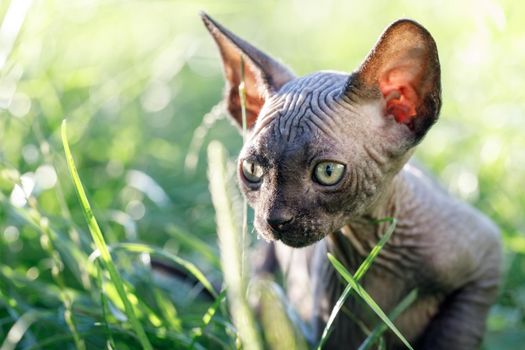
251, 171
328, 173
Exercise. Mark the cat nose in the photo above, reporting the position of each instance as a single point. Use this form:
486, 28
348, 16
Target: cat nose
279, 222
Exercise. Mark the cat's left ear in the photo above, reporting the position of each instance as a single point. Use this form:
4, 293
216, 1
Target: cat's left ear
404, 67
263, 75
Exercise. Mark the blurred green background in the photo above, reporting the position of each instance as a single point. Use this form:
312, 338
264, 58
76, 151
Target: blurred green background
136, 78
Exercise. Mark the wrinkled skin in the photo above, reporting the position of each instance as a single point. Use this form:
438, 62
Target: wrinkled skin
369, 122
288, 144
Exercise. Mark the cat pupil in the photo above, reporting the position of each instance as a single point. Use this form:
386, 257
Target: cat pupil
329, 170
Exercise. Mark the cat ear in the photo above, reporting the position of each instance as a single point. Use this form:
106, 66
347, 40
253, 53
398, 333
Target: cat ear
262, 74
404, 67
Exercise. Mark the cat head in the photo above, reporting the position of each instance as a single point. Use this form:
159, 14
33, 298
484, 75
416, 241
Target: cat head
323, 148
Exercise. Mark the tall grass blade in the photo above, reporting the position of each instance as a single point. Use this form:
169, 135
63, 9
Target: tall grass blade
242, 98
367, 298
282, 330
365, 265
199, 135
230, 247
100, 243
381, 328
11, 26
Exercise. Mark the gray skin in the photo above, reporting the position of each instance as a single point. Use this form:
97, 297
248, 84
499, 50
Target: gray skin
369, 121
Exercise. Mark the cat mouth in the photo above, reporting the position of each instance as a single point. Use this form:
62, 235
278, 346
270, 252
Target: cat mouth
293, 238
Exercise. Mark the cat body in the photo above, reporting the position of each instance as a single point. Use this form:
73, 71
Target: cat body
455, 268
327, 154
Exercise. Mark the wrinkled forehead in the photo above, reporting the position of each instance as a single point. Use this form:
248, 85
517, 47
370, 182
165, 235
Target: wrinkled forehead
273, 149
304, 106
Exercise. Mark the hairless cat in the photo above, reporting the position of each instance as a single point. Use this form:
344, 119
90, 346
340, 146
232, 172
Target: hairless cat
329, 152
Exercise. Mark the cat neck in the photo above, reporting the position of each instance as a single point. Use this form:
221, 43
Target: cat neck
354, 241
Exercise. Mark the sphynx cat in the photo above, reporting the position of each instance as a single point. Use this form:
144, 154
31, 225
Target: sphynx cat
327, 154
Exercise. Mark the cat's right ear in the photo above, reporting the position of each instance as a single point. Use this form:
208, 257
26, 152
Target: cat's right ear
263, 75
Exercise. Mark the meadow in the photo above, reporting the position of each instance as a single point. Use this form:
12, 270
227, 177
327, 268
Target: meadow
139, 83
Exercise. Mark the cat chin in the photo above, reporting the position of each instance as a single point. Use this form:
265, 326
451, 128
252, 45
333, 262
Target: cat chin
300, 243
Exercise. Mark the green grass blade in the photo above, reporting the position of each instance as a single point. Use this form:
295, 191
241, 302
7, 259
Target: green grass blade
230, 247
365, 265
207, 317
17, 331
194, 243
100, 243
381, 328
213, 308
367, 298
187, 265
242, 98
377, 248
282, 327
110, 343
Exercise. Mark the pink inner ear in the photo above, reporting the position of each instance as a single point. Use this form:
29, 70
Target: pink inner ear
400, 95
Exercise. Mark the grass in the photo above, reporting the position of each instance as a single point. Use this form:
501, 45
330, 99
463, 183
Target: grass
134, 79
103, 251
231, 250
232, 262
353, 280
382, 327
367, 298
233, 257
